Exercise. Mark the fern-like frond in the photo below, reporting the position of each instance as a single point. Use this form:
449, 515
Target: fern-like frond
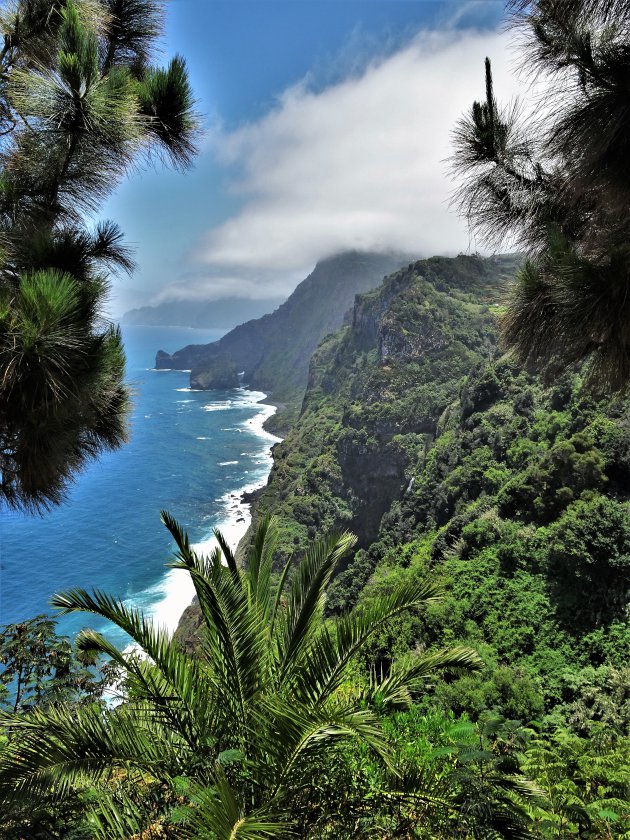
52, 751
303, 612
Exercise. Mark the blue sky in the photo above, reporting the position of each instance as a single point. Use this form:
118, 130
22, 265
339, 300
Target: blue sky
326, 126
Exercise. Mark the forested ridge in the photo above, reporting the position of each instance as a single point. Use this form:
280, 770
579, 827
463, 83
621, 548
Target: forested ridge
514, 490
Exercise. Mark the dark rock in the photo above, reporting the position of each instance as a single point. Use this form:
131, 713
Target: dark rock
219, 373
251, 497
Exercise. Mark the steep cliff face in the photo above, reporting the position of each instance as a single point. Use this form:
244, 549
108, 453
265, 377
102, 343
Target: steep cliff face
452, 464
274, 351
376, 392
220, 373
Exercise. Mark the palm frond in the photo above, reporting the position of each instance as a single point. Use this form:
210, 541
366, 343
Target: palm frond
303, 611
234, 636
303, 735
396, 689
179, 687
228, 554
219, 815
329, 654
260, 562
55, 750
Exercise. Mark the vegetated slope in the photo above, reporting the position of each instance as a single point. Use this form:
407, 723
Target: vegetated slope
522, 505
377, 389
212, 314
275, 350
448, 461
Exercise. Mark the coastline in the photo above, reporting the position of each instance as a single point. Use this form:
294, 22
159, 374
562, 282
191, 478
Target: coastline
233, 521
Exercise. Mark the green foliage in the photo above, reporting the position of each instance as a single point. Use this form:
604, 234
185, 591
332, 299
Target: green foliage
225, 743
80, 103
536, 562
511, 490
38, 667
590, 549
586, 783
375, 394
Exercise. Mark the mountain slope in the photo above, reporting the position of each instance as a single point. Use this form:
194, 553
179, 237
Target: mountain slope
449, 462
376, 391
275, 350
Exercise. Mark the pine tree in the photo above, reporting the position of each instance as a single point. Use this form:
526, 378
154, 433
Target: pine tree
557, 186
80, 104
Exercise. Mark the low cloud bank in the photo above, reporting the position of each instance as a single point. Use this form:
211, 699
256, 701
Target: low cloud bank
360, 164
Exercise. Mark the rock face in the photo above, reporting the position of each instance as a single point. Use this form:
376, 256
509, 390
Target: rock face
274, 351
219, 373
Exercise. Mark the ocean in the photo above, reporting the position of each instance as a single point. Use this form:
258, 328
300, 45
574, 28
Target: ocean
192, 453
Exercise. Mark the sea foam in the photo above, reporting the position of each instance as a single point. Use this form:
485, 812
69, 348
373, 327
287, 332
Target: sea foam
170, 597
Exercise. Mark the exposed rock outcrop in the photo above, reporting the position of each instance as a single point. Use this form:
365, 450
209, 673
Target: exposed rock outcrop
219, 373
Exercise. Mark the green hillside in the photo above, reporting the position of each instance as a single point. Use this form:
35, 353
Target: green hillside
447, 461
377, 389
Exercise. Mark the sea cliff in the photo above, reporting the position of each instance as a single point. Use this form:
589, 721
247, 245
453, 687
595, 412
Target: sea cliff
449, 462
274, 352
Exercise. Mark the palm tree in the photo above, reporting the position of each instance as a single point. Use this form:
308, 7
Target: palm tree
234, 733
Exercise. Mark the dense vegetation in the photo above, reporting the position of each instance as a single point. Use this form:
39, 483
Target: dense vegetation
512, 490
492, 513
522, 504
515, 491
377, 389
461, 474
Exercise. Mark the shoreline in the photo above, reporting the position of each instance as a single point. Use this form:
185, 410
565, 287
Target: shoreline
233, 521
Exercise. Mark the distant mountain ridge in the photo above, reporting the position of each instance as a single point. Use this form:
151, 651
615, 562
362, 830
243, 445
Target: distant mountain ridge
274, 351
210, 314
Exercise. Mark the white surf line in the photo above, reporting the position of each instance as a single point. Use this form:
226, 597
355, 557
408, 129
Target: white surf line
175, 591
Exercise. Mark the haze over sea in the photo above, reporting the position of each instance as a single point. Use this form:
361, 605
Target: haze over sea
191, 453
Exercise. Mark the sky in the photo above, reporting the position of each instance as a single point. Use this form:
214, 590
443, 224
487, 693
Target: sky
326, 126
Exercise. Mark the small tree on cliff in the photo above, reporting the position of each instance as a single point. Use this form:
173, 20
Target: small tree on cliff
80, 103
559, 188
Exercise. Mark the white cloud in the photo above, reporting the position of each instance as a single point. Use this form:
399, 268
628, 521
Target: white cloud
360, 164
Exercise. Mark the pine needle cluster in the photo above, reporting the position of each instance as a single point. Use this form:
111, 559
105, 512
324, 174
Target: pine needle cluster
81, 103
557, 186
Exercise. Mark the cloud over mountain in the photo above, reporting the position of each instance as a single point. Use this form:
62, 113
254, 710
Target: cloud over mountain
359, 164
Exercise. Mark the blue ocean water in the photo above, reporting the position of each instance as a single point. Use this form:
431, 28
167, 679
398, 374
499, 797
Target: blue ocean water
191, 453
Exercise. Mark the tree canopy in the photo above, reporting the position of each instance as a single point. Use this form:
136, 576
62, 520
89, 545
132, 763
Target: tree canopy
81, 103
557, 186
